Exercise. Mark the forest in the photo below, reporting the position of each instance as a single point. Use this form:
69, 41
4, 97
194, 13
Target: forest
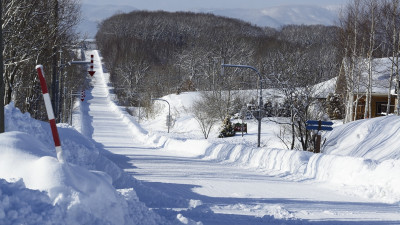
152, 54
40, 32
158, 53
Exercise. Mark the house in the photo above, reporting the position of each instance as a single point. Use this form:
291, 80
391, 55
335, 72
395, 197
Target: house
379, 104
382, 68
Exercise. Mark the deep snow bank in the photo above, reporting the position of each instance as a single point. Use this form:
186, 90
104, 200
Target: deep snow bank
75, 195
365, 177
85, 196
375, 139
19, 205
78, 149
362, 156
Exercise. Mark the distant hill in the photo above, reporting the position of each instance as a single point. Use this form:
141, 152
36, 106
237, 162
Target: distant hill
270, 17
282, 15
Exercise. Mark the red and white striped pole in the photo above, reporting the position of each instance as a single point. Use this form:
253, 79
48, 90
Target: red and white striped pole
83, 95
50, 113
91, 70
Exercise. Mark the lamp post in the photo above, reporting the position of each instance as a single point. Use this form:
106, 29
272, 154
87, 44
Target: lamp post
260, 103
169, 110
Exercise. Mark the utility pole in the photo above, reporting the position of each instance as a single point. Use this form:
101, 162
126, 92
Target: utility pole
61, 89
260, 103
54, 80
2, 119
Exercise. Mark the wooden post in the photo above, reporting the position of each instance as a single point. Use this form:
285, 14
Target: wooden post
317, 147
311, 125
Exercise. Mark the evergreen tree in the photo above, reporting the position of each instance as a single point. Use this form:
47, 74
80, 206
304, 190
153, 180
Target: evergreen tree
335, 107
227, 129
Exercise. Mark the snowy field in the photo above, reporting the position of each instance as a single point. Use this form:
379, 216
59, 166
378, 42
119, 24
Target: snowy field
121, 172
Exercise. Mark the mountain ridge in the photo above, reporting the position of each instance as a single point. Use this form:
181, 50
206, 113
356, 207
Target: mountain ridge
274, 17
279, 16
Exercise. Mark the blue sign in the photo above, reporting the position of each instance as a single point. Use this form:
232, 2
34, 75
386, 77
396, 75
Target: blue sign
319, 125
327, 123
321, 128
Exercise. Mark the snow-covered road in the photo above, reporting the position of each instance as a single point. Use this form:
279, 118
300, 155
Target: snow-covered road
228, 190
220, 193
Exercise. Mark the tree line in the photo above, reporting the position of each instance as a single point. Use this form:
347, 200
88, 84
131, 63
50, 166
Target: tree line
151, 54
40, 32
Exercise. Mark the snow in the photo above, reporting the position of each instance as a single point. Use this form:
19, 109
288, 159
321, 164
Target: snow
118, 171
19, 204
73, 194
381, 70
71, 187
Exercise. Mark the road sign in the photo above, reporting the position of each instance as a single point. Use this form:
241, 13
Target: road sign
327, 123
319, 128
318, 125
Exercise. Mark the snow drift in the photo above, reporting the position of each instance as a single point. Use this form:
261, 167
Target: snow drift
361, 157
78, 192
71, 187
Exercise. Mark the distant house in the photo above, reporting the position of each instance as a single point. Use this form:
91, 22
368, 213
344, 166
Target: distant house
380, 90
379, 104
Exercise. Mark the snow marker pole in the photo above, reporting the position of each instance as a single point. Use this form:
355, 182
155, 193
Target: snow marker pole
91, 70
83, 95
91, 63
50, 113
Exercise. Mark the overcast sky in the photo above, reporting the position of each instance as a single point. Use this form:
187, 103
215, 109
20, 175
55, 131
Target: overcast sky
187, 5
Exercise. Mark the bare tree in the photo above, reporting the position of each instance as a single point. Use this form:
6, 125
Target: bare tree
373, 11
391, 12
204, 113
297, 74
369, 29
28, 26
349, 22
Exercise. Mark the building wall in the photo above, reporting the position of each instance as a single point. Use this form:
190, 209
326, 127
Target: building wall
378, 106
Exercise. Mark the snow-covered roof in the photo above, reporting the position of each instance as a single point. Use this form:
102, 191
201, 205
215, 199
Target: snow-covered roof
381, 70
323, 89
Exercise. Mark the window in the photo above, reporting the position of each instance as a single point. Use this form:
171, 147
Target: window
381, 108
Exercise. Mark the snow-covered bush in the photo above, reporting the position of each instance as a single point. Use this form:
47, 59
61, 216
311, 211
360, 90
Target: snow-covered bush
334, 106
227, 129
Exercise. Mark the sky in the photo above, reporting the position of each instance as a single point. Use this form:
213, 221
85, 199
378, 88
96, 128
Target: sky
188, 5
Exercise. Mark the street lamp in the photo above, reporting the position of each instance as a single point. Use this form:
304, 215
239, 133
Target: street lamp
260, 103
169, 110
